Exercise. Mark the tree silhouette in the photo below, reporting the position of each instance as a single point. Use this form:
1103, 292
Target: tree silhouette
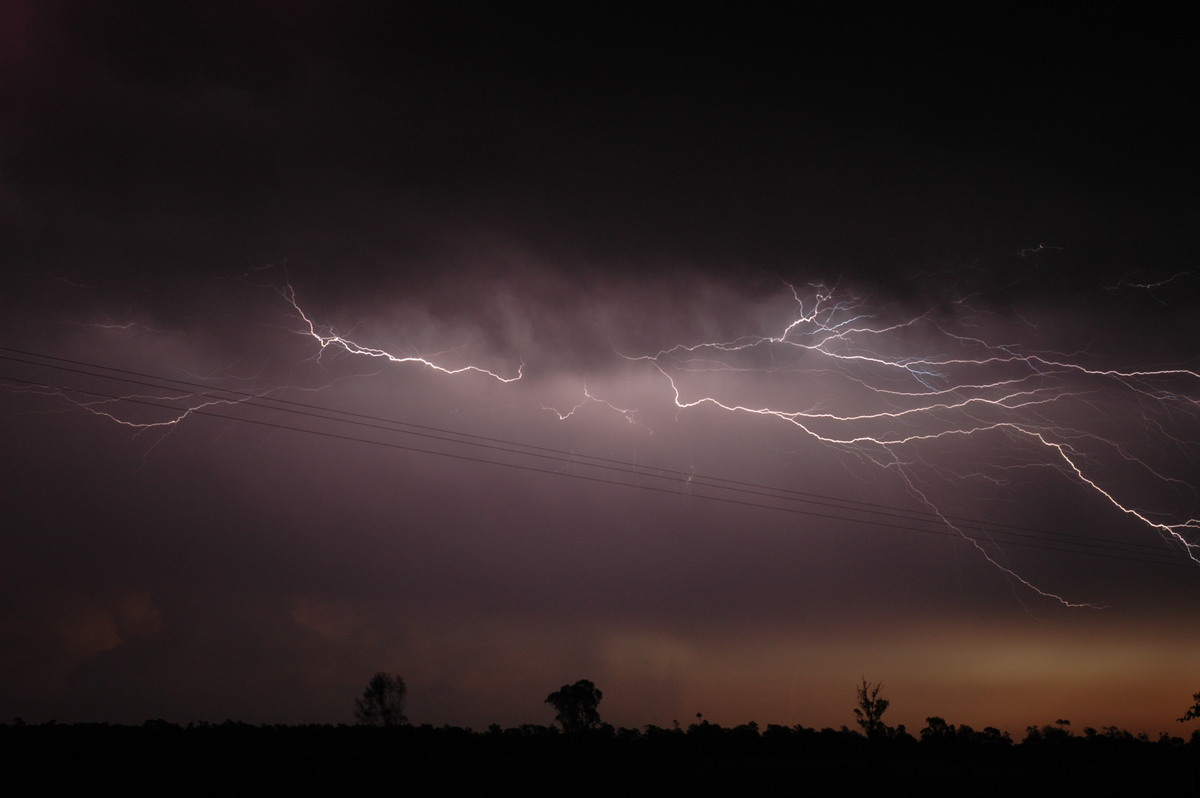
576, 705
382, 702
1193, 712
870, 710
938, 731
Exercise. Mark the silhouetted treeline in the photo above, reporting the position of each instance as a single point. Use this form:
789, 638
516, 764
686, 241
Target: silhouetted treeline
703, 758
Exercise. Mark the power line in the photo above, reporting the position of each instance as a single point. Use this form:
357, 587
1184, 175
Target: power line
1068, 543
531, 450
574, 459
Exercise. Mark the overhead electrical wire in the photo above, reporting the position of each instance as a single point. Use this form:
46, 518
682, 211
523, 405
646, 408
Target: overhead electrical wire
949, 526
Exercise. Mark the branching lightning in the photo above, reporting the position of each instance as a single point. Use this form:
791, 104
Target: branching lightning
908, 397
629, 414
332, 339
944, 397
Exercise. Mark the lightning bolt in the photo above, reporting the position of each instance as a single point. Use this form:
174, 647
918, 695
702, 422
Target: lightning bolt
329, 338
944, 395
886, 391
629, 414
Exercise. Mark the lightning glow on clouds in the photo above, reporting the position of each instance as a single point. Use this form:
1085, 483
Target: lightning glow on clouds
928, 401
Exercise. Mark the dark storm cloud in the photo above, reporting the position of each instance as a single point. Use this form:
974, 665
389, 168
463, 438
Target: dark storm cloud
351, 139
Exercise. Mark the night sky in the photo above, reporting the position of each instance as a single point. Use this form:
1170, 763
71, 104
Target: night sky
721, 358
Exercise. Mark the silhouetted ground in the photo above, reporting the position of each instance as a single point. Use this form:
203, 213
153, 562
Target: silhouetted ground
235, 758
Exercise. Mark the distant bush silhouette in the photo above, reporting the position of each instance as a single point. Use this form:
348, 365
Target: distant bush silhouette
576, 705
705, 759
940, 735
382, 702
1058, 734
938, 732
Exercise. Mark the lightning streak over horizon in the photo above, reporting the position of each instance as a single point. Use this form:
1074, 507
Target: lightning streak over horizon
911, 400
907, 396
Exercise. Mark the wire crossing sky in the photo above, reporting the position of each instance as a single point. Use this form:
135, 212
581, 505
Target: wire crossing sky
94, 401
884, 392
